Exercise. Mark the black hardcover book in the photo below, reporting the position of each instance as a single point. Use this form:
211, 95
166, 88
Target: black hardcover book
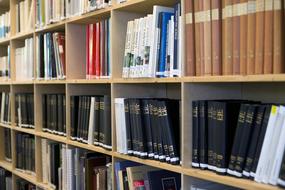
142, 131
32, 109
211, 113
140, 135
96, 120
64, 113
238, 137
52, 57
128, 126
246, 137
88, 103
107, 122
60, 112
101, 121
159, 125
133, 126
85, 118
165, 131
16, 108
74, 100
41, 57
260, 140
203, 134
254, 140
24, 111
29, 111
54, 112
80, 117
153, 119
147, 127
48, 112
33, 155
227, 112
173, 129
195, 134
44, 112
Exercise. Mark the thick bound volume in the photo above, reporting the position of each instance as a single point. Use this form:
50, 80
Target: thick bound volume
91, 120
146, 129
5, 112
51, 56
98, 50
246, 139
7, 144
5, 64
53, 110
25, 110
5, 179
25, 152
195, 132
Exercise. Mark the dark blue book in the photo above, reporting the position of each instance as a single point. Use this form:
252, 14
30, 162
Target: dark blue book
164, 180
164, 18
177, 13
122, 166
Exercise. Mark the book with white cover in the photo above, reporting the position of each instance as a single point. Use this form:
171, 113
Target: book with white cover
121, 125
266, 144
276, 159
91, 121
155, 38
271, 154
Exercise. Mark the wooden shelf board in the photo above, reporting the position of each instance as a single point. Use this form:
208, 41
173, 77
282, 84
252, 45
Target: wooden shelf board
22, 35
58, 26
23, 82
5, 126
237, 78
141, 6
6, 165
53, 137
24, 130
89, 147
29, 177
227, 180
147, 80
154, 163
50, 81
5, 82
5, 41
89, 81
91, 17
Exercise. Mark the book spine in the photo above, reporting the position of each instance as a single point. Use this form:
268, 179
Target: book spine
216, 19
242, 9
207, 37
190, 41
236, 36
268, 37
195, 132
259, 37
203, 136
197, 20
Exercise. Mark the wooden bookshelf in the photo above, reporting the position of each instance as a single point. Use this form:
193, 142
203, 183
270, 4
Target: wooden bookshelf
269, 88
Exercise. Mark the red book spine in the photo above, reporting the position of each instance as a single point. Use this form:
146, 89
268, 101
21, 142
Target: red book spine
97, 59
91, 50
94, 49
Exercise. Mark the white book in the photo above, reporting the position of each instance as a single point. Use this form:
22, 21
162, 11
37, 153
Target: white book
63, 165
125, 73
155, 37
91, 122
171, 49
134, 48
121, 126
274, 144
180, 48
44, 160
260, 170
141, 39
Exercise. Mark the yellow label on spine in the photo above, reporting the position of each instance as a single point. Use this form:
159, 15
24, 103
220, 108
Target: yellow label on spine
274, 110
189, 18
260, 5
215, 14
268, 5
277, 4
243, 8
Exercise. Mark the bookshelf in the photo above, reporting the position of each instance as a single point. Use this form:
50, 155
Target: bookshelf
258, 87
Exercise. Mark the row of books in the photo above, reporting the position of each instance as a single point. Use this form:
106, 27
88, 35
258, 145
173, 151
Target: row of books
5, 28
24, 106
148, 128
131, 175
5, 112
5, 179
91, 120
234, 37
22, 184
7, 144
24, 60
25, 16
52, 11
153, 44
98, 63
74, 168
25, 152
5, 65
54, 113
51, 55
241, 138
